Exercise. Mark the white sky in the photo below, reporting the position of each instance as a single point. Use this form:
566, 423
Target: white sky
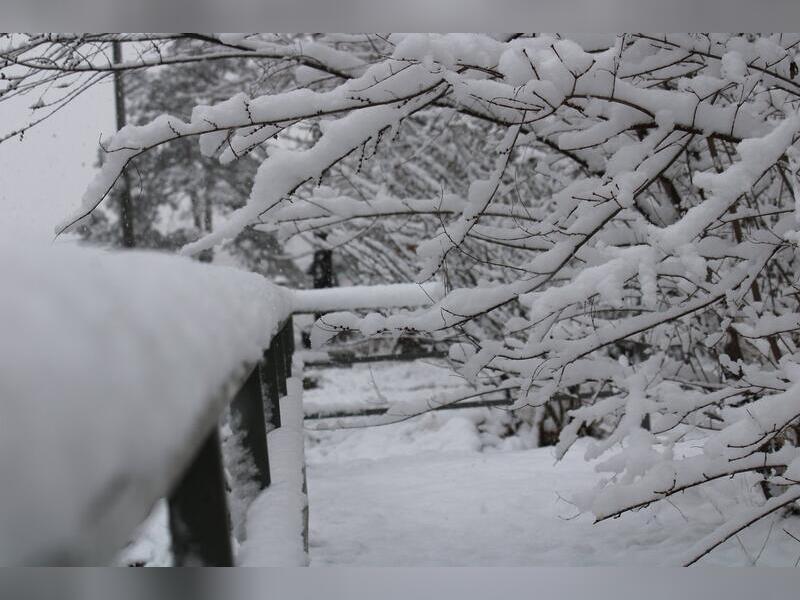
43, 177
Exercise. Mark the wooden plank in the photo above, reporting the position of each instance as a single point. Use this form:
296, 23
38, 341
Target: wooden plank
372, 411
249, 420
345, 361
279, 358
199, 521
270, 372
288, 338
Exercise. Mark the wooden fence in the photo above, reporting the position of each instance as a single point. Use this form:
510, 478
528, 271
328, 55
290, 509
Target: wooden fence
185, 467
199, 518
191, 475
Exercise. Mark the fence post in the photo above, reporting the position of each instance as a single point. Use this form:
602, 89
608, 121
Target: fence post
288, 346
198, 511
271, 369
248, 418
288, 338
279, 343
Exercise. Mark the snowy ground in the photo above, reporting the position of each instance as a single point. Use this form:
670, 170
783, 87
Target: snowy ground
435, 491
444, 489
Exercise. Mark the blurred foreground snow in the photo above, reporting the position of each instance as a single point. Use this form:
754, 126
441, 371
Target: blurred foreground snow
108, 363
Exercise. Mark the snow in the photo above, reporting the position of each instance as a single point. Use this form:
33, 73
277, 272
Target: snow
445, 489
435, 491
379, 385
285, 170
758, 155
481, 193
109, 363
274, 526
151, 541
637, 239
375, 296
463, 508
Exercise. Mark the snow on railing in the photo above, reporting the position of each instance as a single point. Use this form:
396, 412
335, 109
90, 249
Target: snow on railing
397, 295
115, 370
273, 519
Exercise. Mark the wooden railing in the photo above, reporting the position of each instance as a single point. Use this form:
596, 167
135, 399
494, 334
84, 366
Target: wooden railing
177, 456
190, 475
199, 518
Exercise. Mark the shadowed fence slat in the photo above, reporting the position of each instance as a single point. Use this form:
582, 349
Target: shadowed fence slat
191, 474
198, 509
199, 516
271, 373
248, 417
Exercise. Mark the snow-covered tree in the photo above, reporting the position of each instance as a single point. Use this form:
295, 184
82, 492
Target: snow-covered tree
615, 218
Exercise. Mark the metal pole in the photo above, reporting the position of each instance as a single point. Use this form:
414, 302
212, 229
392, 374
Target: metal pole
125, 205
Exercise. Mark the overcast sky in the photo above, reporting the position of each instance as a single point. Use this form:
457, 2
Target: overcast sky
43, 177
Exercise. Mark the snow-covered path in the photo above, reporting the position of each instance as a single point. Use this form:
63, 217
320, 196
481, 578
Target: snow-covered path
457, 509
422, 494
498, 509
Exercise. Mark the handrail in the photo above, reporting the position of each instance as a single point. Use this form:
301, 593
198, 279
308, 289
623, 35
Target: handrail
192, 477
348, 359
110, 446
199, 517
394, 295
107, 369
